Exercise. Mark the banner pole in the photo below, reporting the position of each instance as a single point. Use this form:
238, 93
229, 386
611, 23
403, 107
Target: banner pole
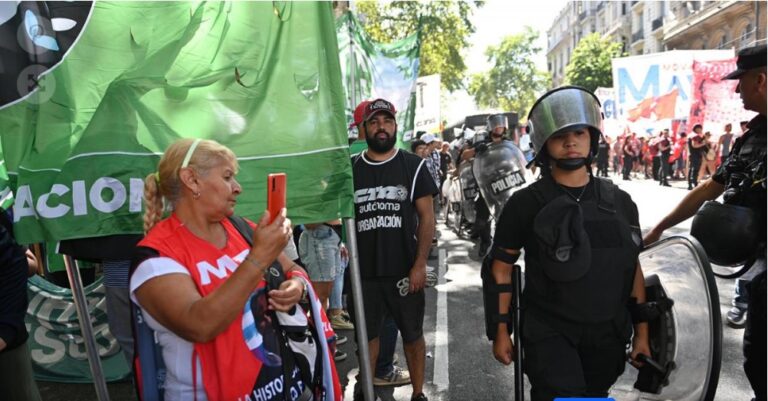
363, 357
86, 329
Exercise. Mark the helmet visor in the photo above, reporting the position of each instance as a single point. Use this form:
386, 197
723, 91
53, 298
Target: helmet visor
497, 120
563, 109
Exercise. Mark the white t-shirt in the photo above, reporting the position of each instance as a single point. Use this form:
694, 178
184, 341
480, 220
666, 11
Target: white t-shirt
525, 143
177, 352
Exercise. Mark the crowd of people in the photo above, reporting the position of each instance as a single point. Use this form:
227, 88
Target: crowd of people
663, 157
250, 310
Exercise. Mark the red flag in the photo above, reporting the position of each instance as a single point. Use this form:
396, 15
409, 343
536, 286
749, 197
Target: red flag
664, 105
643, 109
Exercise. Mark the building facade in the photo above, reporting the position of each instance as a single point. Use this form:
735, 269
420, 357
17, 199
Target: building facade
645, 27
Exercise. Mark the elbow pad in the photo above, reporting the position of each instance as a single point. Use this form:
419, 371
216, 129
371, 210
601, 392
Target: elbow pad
491, 291
502, 256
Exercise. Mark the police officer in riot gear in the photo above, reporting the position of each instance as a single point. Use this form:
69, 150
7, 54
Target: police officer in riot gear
496, 125
581, 239
741, 181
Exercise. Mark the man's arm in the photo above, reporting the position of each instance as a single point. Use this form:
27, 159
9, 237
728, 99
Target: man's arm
503, 349
424, 234
709, 190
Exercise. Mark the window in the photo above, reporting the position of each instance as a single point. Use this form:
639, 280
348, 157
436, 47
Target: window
746, 34
723, 41
623, 8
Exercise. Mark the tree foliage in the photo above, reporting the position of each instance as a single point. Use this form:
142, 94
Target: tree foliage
590, 64
513, 82
445, 29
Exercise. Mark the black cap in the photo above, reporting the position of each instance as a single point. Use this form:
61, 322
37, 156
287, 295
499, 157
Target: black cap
749, 58
377, 106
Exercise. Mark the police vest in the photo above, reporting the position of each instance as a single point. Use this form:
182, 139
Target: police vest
746, 171
599, 294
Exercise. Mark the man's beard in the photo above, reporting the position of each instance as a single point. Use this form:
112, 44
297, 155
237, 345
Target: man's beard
381, 146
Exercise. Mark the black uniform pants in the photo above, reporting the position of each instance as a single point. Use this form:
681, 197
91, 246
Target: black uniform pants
602, 166
664, 168
482, 221
627, 166
655, 167
586, 364
694, 164
755, 335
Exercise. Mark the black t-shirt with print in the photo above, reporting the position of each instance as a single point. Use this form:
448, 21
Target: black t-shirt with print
385, 212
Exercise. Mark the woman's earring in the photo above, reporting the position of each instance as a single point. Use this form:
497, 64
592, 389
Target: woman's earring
195, 195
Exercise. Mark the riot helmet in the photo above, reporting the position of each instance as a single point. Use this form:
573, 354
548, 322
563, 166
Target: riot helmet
496, 120
728, 233
563, 109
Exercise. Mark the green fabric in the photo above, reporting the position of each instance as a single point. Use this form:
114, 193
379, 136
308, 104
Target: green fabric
262, 78
55, 343
387, 70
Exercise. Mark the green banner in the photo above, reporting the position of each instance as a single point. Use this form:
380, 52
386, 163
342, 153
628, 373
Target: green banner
260, 77
55, 343
6, 195
379, 70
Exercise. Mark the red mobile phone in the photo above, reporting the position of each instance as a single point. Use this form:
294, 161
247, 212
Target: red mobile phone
275, 194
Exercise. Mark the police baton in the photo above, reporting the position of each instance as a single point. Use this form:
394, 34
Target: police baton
516, 290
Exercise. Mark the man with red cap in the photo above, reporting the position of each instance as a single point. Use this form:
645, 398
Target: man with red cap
386, 372
395, 222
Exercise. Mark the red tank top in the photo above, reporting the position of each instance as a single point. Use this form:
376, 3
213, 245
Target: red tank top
230, 370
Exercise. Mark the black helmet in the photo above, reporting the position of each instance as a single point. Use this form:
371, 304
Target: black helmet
728, 233
563, 109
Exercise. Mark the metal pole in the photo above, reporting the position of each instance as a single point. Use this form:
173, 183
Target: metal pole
364, 358
86, 329
517, 278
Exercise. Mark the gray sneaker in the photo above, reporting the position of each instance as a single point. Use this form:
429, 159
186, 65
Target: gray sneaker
397, 377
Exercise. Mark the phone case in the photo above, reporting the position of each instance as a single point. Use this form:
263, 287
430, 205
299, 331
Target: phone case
275, 193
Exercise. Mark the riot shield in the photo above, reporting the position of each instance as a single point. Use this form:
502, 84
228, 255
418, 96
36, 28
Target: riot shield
500, 171
468, 190
686, 340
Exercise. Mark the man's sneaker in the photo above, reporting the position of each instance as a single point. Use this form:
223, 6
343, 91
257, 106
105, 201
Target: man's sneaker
339, 323
339, 356
419, 397
341, 340
397, 377
737, 317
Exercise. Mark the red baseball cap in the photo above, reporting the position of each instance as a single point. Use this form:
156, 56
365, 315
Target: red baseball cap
358, 115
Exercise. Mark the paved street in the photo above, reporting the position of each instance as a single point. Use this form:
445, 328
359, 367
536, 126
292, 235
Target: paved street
459, 361
460, 365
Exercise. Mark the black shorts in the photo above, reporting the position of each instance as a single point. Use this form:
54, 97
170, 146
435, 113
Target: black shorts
381, 298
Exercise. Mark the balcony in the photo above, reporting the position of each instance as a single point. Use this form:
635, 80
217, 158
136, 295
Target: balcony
657, 23
637, 36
